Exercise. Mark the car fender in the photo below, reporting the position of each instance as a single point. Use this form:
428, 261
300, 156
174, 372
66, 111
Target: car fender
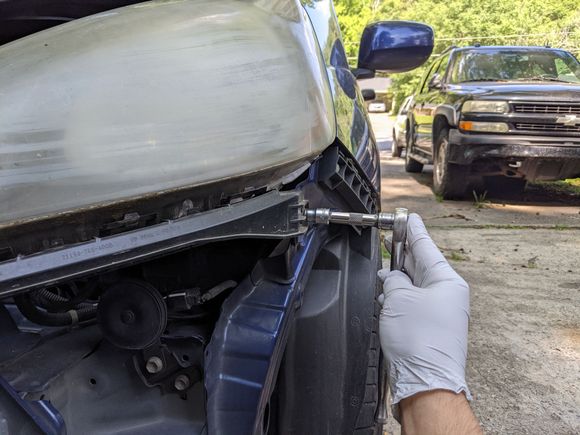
449, 113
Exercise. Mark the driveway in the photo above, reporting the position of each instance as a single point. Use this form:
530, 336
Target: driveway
521, 258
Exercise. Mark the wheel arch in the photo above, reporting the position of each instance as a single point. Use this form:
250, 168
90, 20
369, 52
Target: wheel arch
439, 123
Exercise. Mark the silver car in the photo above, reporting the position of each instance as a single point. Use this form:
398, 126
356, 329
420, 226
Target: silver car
401, 127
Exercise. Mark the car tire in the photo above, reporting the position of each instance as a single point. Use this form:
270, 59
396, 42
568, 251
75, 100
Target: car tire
395, 148
411, 165
449, 180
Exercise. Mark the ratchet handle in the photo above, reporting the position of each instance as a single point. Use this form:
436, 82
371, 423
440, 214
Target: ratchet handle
399, 239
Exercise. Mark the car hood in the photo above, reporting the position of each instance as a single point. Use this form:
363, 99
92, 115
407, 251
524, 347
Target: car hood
154, 97
533, 91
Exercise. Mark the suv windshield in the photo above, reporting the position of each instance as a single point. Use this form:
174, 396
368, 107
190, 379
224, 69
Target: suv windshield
515, 65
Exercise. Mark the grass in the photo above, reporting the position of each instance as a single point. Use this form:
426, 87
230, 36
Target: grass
559, 227
532, 263
457, 256
384, 253
438, 197
480, 200
569, 186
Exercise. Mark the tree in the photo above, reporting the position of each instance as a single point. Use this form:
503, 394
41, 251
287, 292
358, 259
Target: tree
464, 22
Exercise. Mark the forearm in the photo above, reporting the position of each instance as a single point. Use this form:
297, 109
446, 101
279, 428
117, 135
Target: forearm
438, 412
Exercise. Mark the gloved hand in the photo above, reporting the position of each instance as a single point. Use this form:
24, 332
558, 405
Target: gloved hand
424, 320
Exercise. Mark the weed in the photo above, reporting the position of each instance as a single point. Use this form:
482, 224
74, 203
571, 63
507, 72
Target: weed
384, 253
480, 200
438, 197
569, 186
533, 263
458, 256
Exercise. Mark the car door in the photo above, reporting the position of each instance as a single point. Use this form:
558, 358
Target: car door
421, 122
428, 101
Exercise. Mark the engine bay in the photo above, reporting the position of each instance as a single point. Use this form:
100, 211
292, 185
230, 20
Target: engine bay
123, 351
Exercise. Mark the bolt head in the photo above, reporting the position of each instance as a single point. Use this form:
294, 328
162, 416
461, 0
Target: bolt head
128, 317
181, 383
154, 365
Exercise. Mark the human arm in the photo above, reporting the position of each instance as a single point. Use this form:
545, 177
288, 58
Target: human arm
423, 331
438, 412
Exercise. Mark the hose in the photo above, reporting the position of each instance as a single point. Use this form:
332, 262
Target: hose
34, 314
56, 303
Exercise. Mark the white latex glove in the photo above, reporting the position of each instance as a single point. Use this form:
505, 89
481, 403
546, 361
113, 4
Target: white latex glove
424, 320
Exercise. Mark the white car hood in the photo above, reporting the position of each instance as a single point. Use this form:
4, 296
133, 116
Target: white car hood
157, 96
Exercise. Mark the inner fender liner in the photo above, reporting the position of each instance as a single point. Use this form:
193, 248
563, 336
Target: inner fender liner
243, 357
334, 345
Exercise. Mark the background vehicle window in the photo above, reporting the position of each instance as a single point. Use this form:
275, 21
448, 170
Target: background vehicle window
430, 74
443, 65
564, 71
405, 106
438, 68
502, 65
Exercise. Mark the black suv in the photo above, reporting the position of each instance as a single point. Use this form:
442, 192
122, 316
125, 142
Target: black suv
484, 115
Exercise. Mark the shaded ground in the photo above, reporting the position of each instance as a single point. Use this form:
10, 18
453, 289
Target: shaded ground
521, 257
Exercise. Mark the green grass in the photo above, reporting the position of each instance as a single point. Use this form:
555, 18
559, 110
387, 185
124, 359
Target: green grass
480, 200
559, 227
384, 253
457, 256
438, 197
569, 186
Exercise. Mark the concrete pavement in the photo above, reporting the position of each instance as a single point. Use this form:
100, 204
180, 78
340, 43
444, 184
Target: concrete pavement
521, 259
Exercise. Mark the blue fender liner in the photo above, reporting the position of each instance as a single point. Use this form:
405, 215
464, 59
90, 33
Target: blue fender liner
244, 354
29, 417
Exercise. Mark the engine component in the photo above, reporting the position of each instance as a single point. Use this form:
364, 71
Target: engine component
132, 314
161, 366
52, 315
184, 300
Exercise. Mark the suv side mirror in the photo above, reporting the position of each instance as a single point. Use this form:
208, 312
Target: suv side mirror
435, 82
393, 47
368, 94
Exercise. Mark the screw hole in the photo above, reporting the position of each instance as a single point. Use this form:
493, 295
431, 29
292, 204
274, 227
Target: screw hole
93, 381
185, 357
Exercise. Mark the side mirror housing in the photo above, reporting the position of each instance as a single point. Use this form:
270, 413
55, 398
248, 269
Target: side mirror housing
435, 82
368, 94
394, 46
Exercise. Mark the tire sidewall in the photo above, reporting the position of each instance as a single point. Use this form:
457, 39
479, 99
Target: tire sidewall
452, 183
395, 151
440, 184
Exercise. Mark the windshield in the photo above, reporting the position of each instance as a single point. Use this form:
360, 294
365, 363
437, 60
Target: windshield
515, 65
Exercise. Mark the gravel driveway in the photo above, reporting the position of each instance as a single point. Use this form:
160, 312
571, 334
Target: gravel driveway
521, 259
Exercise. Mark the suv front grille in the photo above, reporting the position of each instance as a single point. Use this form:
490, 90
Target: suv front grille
554, 108
547, 127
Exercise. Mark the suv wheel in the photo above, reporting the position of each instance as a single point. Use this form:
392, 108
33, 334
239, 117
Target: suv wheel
411, 165
395, 148
448, 179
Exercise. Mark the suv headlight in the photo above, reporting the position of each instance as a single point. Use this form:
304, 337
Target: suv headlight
475, 106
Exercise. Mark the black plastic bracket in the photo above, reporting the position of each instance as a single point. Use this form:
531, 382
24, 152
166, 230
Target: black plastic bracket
274, 215
339, 172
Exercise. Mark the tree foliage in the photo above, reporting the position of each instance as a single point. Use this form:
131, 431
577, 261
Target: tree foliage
464, 22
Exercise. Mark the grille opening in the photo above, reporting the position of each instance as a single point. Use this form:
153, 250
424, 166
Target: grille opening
547, 127
553, 108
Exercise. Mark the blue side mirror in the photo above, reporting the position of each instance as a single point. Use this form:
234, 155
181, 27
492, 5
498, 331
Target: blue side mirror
394, 46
